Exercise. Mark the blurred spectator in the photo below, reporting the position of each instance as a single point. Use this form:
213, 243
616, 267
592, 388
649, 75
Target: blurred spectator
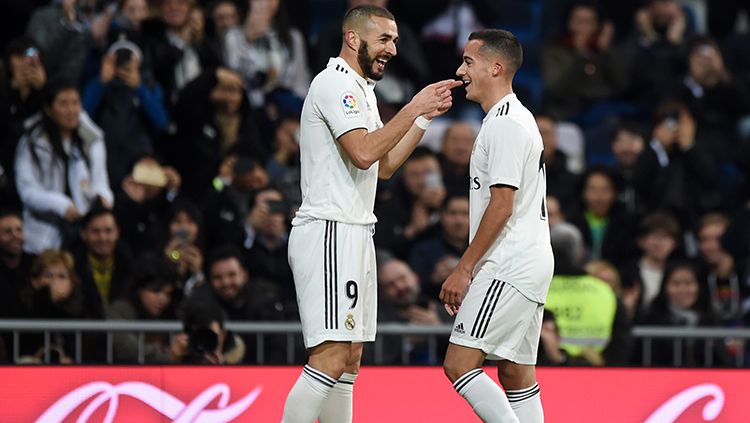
205, 340
658, 237
53, 292
627, 146
14, 263
243, 298
555, 214
656, 50
582, 68
213, 120
174, 46
149, 297
451, 241
723, 278
227, 210
607, 272
184, 245
406, 72
679, 304
20, 98
401, 300
268, 52
550, 353
267, 239
592, 322
675, 173
222, 15
130, 15
561, 182
716, 100
143, 203
455, 155
129, 109
284, 164
606, 227
61, 169
409, 211
63, 38
103, 264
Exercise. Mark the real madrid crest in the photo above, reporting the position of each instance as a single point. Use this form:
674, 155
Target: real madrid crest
349, 322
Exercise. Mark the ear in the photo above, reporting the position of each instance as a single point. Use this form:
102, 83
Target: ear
497, 69
352, 40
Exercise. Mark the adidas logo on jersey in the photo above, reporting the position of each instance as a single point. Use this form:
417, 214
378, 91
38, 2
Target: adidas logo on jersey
459, 328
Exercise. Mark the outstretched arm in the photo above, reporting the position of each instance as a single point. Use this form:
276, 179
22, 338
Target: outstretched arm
365, 148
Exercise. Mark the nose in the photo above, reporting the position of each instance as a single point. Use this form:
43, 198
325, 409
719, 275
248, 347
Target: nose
391, 48
460, 71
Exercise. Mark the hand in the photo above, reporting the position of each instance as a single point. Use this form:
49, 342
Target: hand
193, 258
72, 214
196, 25
550, 338
423, 316
606, 35
676, 28
453, 290
420, 220
686, 132
630, 299
226, 168
107, 71
174, 181
443, 269
259, 215
69, 9
646, 24
130, 76
435, 99
665, 134
178, 348
34, 74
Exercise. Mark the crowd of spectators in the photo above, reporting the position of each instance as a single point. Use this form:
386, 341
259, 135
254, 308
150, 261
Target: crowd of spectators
149, 169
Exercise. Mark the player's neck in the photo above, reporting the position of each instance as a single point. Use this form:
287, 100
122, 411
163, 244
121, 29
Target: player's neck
351, 59
495, 96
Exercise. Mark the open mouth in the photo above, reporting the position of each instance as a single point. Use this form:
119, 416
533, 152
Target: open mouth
381, 63
466, 82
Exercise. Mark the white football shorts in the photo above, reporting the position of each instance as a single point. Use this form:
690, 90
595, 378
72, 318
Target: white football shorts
335, 276
496, 318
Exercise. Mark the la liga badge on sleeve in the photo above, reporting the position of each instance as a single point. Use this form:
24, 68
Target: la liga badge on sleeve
349, 104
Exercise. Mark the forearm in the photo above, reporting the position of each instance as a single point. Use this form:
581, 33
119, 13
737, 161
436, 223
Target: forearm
378, 143
393, 159
493, 221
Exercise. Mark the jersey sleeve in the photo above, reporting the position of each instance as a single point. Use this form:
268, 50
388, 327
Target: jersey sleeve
507, 148
341, 103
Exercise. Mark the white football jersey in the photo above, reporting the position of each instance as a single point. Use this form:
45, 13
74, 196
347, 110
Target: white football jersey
508, 151
339, 100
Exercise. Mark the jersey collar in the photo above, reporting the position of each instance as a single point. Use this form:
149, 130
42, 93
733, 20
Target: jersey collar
333, 61
493, 110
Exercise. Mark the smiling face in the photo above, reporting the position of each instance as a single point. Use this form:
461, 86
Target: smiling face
377, 46
682, 288
474, 71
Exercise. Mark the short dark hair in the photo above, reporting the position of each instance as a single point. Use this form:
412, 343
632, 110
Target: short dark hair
502, 43
200, 315
6, 212
153, 272
225, 252
359, 13
660, 221
420, 153
96, 210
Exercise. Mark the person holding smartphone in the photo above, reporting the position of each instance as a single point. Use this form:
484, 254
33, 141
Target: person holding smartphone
20, 98
184, 247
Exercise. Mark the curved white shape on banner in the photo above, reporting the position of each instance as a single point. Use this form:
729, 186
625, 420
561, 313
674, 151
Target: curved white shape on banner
161, 401
672, 409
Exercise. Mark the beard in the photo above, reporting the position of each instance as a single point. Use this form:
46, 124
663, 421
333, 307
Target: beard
366, 62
